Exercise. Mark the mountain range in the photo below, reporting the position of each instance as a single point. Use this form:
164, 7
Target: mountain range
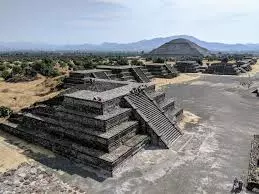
143, 45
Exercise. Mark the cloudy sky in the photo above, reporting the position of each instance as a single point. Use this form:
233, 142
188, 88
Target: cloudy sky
96, 21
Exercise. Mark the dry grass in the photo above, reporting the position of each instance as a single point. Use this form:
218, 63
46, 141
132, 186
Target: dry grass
180, 79
255, 68
23, 94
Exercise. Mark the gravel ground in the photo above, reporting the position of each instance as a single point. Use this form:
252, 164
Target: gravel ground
33, 179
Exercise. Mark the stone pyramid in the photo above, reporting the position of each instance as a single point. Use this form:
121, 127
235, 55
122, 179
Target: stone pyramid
180, 47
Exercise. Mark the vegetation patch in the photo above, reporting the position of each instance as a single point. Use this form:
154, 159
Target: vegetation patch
5, 111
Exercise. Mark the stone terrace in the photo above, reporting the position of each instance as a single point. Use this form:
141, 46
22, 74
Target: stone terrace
101, 123
141, 74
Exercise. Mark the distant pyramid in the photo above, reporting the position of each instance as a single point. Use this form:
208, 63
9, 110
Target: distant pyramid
178, 48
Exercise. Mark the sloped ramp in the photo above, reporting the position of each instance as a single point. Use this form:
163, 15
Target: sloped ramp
154, 118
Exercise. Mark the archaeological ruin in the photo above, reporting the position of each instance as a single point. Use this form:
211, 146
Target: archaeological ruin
188, 67
179, 48
104, 116
253, 172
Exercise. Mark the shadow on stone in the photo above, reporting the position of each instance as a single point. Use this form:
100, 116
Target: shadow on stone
57, 162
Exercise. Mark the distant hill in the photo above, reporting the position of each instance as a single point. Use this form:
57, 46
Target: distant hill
143, 45
180, 47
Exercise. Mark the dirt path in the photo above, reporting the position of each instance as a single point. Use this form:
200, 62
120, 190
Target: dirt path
179, 79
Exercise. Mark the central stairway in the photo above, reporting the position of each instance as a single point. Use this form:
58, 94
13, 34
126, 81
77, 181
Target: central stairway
157, 122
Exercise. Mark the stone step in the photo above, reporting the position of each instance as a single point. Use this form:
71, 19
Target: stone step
125, 74
101, 75
113, 76
159, 72
144, 69
166, 131
74, 80
95, 158
157, 96
140, 75
106, 141
176, 114
181, 142
126, 78
167, 104
98, 122
131, 80
150, 77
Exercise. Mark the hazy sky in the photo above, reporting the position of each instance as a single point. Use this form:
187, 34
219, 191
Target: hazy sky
96, 21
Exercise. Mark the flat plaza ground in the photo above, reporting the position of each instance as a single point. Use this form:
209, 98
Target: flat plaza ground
217, 152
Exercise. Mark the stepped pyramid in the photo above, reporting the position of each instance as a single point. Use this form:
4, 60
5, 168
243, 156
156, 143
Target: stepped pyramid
180, 47
100, 122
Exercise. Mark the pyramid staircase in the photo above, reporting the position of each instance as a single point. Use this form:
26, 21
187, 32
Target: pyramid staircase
147, 73
101, 75
158, 124
140, 75
126, 75
171, 69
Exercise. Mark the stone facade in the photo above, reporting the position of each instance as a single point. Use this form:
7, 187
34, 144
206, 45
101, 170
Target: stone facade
188, 67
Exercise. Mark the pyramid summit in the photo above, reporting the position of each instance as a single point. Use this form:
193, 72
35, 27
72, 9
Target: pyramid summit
180, 47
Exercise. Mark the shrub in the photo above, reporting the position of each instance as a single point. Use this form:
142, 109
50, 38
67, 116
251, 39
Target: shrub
2, 67
17, 70
136, 62
6, 75
55, 72
62, 64
30, 72
5, 111
158, 60
89, 65
46, 69
9, 66
24, 65
122, 61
